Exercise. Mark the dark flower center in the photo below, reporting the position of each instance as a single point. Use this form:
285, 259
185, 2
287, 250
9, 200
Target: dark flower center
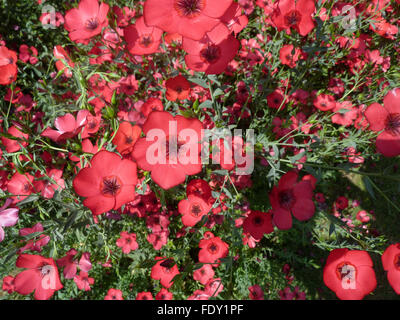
392, 123
128, 140
110, 186
397, 261
293, 18
189, 8
169, 263
195, 210
45, 269
92, 24
212, 248
146, 40
286, 199
345, 271
257, 221
210, 54
11, 60
92, 124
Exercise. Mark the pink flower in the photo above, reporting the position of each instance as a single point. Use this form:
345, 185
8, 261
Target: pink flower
83, 282
127, 242
8, 217
34, 245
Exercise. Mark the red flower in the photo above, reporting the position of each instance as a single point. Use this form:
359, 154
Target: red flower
349, 274
213, 52
178, 151
15, 145
199, 188
164, 270
164, 294
47, 187
127, 242
289, 55
178, 88
126, 137
324, 102
204, 274
108, 184
212, 249
193, 209
21, 186
83, 281
152, 104
70, 264
67, 126
87, 21
142, 39
257, 224
295, 14
8, 284
386, 118
234, 19
8, 66
291, 197
256, 293
33, 244
41, 276
391, 264
144, 296
114, 294
190, 18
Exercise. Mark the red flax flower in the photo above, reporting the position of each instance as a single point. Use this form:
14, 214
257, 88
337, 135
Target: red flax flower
291, 197
386, 118
126, 137
349, 274
295, 14
257, 224
213, 52
192, 210
190, 18
178, 88
212, 249
14, 145
114, 294
8, 66
41, 276
391, 264
127, 242
142, 39
171, 149
108, 184
164, 270
63, 62
87, 20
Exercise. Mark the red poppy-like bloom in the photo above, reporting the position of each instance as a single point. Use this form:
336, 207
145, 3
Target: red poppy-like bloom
234, 19
142, 39
164, 294
144, 296
114, 294
34, 244
325, 102
47, 187
67, 126
204, 274
386, 118
199, 188
295, 14
212, 249
257, 224
83, 281
127, 242
289, 55
8, 284
291, 197
126, 137
192, 210
8, 66
164, 270
350, 274
190, 18
70, 263
21, 185
152, 104
14, 145
391, 264
87, 20
63, 62
108, 184
178, 88
213, 52
256, 293
171, 149
42, 276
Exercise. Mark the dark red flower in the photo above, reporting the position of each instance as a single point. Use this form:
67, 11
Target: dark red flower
256, 293
258, 223
386, 118
87, 20
190, 18
108, 184
349, 273
178, 88
291, 197
169, 154
391, 264
41, 276
199, 188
